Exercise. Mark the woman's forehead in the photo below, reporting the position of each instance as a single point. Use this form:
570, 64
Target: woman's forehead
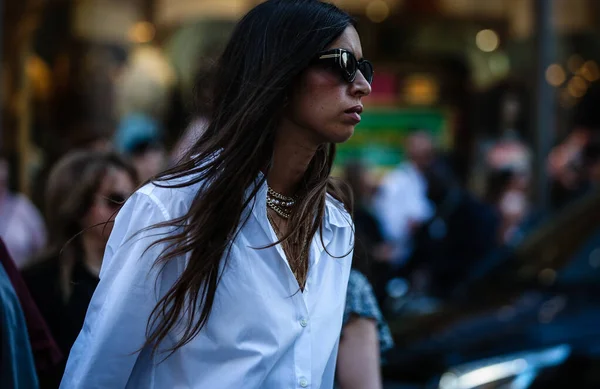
349, 40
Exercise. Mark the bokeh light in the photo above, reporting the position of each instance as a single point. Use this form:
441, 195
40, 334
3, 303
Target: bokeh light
555, 75
421, 89
142, 32
589, 70
377, 11
487, 40
577, 86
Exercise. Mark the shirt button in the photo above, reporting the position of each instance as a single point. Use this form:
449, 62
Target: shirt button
303, 382
303, 322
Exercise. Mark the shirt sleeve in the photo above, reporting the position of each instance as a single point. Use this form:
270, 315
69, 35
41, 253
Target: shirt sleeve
130, 286
361, 302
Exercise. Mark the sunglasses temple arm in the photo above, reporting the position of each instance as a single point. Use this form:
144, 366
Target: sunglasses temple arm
326, 56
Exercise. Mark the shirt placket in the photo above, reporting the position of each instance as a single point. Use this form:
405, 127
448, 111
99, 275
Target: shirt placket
303, 345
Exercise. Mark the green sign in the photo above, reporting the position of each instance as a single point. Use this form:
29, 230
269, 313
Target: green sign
379, 138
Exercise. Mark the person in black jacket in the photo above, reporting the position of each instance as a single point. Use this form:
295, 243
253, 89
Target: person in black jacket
462, 232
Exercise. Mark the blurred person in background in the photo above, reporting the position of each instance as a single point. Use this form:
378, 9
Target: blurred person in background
372, 254
574, 166
139, 137
18, 339
401, 204
17, 367
46, 353
94, 143
365, 335
85, 191
462, 231
507, 191
590, 161
21, 224
566, 164
231, 269
565, 167
82, 136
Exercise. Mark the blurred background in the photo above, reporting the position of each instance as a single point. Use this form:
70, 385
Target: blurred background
475, 166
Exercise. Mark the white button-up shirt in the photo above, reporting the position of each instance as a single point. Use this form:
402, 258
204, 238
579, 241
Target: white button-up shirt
263, 332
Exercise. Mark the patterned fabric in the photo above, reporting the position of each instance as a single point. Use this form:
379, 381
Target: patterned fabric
360, 301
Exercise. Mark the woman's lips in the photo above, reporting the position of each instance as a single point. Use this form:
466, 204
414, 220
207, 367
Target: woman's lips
353, 113
353, 116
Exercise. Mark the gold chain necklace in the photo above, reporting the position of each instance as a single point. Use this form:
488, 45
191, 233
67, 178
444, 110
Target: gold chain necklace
280, 204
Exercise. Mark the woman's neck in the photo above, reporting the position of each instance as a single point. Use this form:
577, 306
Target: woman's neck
291, 156
93, 254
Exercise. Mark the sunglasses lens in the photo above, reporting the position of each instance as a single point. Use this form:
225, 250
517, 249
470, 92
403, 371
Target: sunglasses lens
366, 68
348, 66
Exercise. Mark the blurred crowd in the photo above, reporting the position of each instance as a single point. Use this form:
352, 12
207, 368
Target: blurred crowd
53, 258
420, 230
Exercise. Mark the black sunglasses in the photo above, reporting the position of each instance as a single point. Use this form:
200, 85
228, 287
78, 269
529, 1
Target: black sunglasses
348, 65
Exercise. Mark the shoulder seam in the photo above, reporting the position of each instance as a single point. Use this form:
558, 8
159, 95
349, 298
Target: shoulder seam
152, 197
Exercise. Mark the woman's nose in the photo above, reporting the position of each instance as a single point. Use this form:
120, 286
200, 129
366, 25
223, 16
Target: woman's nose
360, 87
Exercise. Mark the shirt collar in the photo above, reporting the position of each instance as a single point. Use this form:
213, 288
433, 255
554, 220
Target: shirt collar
335, 216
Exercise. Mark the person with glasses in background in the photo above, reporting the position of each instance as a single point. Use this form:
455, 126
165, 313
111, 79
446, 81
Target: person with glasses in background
85, 190
230, 270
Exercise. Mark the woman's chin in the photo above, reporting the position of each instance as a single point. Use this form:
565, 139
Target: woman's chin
342, 135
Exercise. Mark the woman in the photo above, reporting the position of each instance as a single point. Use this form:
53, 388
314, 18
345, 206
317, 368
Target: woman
85, 190
230, 270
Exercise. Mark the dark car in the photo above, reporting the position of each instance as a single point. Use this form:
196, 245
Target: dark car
527, 316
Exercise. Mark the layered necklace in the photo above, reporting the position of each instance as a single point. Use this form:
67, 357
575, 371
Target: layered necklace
280, 204
283, 205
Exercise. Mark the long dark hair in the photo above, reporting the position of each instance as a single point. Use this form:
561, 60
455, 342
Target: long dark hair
72, 186
270, 47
